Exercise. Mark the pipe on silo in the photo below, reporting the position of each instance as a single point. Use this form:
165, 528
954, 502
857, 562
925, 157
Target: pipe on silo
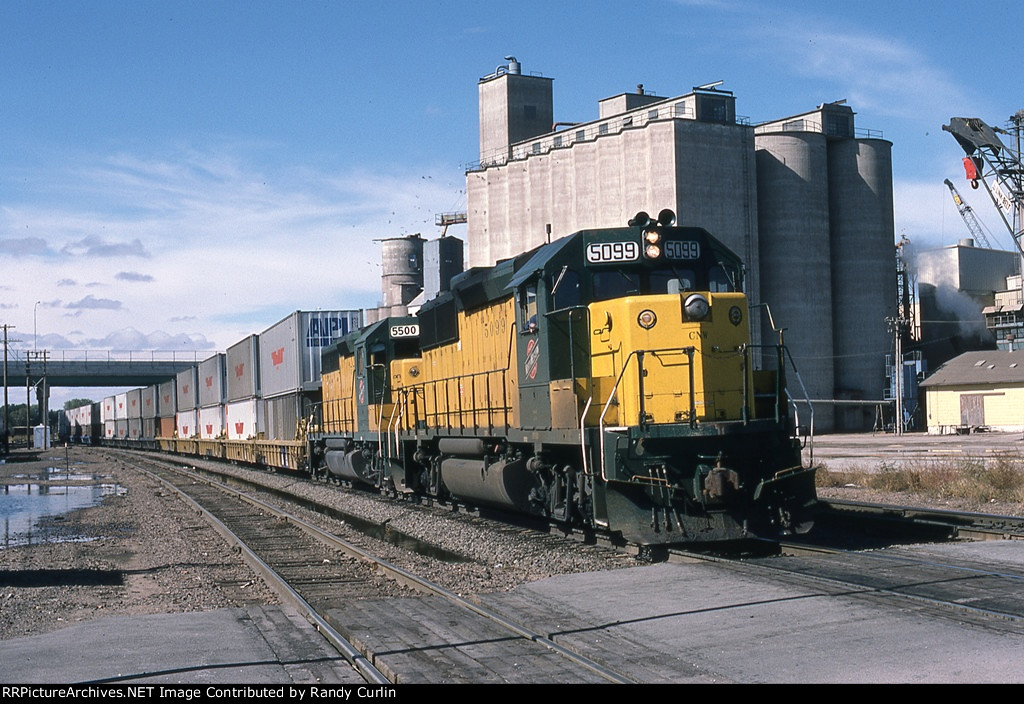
795, 256
863, 270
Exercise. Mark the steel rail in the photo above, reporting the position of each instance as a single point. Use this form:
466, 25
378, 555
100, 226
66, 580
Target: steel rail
358, 661
855, 587
414, 581
962, 522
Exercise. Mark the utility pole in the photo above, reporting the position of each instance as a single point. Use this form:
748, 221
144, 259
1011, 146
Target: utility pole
7, 415
898, 327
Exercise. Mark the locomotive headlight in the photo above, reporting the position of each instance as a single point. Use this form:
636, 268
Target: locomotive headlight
696, 307
651, 239
647, 319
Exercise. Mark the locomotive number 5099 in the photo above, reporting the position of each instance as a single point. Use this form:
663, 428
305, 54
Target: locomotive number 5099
603, 252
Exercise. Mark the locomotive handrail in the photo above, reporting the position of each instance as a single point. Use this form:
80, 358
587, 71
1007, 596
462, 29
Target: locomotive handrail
460, 412
806, 399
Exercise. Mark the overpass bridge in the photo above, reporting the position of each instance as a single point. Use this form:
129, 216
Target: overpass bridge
65, 368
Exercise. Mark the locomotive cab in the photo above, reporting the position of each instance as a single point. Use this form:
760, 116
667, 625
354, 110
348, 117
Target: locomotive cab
639, 338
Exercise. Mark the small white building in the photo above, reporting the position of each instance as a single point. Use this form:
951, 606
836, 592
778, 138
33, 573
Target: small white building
977, 391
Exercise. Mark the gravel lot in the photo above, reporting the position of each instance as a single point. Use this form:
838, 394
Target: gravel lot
141, 552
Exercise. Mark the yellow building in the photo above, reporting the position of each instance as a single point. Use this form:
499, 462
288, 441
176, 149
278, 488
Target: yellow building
977, 390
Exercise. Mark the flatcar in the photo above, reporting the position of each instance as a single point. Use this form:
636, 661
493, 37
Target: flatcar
605, 380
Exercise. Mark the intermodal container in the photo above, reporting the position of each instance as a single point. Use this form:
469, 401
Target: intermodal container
167, 404
243, 369
211, 381
211, 422
134, 403
245, 419
186, 423
150, 402
188, 395
290, 350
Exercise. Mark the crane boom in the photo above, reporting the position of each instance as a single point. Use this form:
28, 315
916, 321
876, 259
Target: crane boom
967, 213
990, 162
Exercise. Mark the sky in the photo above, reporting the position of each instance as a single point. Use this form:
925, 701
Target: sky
178, 175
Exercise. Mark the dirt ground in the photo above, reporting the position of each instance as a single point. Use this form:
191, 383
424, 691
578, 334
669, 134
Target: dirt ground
140, 552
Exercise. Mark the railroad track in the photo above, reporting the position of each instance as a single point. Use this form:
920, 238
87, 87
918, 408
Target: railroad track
958, 524
323, 575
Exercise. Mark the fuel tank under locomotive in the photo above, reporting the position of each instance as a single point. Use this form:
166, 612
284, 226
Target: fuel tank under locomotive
472, 470
347, 460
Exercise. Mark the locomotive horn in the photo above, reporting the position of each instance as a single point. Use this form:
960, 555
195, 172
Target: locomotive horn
641, 219
666, 218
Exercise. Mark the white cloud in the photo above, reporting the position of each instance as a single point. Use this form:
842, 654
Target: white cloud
225, 240
875, 71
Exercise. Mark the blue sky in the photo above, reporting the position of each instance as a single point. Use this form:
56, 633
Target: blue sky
180, 174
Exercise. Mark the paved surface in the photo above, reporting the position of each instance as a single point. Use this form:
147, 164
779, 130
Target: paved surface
866, 451
255, 645
664, 623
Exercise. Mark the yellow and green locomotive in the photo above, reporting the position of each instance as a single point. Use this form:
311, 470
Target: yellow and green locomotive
604, 380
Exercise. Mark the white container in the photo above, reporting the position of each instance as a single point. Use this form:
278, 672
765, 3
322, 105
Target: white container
185, 423
242, 362
107, 410
121, 406
134, 403
211, 422
167, 404
245, 419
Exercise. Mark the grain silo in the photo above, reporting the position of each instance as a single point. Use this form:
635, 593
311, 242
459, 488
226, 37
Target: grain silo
402, 272
796, 276
863, 271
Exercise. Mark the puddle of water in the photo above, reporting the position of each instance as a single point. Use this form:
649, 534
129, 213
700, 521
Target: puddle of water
23, 506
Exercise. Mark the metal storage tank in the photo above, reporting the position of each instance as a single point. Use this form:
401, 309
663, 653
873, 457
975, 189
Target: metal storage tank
187, 394
401, 271
243, 369
863, 271
212, 381
796, 276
